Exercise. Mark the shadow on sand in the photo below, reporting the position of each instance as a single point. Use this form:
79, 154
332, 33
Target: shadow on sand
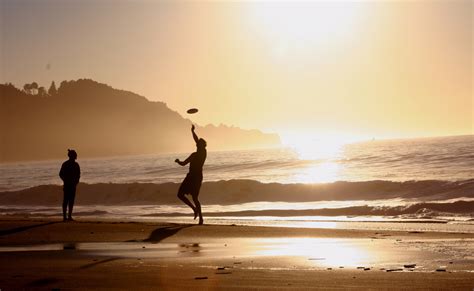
161, 233
24, 228
87, 266
42, 282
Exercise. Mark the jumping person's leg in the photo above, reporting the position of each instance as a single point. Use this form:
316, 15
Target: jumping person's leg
183, 198
198, 208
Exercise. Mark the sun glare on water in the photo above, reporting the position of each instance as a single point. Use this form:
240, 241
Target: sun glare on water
321, 153
323, 252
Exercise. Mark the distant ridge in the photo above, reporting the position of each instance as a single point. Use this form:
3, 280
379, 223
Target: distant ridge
98, 120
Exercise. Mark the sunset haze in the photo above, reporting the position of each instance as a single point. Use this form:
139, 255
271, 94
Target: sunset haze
354, 70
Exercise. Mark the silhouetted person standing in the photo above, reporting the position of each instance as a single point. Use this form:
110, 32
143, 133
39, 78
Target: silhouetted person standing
192, 183
70, 173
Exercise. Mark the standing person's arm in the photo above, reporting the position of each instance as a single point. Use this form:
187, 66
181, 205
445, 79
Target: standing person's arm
78, 173
61, 172
195, 137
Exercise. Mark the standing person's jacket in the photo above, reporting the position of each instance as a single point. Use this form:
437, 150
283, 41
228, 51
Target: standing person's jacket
70, 172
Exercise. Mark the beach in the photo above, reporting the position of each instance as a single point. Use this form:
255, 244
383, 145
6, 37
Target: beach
48, 254
391, 220
236, 145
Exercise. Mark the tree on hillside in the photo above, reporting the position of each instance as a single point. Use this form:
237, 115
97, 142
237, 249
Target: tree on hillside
8, 89
42, 91
27, 88
31, 88
62, 86
34, 88
52, 89
10, 85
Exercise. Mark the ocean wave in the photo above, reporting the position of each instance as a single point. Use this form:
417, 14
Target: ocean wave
243, 191
414, 211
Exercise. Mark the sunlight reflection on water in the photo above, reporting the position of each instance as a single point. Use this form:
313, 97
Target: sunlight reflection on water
325, 172
327, 252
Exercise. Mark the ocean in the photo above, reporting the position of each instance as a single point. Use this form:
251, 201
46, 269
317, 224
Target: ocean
424, 180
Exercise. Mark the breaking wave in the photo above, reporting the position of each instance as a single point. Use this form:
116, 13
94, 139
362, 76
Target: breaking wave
244, 191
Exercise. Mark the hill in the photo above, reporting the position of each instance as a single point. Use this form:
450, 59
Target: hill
98, 120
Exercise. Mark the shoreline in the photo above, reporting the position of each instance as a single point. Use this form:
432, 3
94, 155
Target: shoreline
118, 230
340, 223
48, 254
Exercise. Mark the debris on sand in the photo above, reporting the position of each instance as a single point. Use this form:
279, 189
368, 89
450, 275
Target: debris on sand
366, 269
394, 270
409, 266
200, 278
441, 269
69, 246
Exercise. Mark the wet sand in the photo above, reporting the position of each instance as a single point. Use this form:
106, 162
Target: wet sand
48, 254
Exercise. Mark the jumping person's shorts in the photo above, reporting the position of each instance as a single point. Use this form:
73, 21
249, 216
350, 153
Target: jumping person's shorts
191, 184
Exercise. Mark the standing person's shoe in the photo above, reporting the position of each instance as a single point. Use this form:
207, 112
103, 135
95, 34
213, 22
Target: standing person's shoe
64, 219
201, 221
70, 219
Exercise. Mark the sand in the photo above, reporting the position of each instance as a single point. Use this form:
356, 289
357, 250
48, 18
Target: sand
48, 255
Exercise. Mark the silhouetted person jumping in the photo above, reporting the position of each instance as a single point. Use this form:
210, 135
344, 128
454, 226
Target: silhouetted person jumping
192, 183
70, 173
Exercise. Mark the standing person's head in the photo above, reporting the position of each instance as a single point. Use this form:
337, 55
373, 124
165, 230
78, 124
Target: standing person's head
201, 144
72, 154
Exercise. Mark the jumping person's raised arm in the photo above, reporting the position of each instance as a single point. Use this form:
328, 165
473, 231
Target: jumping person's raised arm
195, 137
185, 162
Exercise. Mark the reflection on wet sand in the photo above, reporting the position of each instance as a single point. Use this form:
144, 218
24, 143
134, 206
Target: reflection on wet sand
189, 248
326, 252
299, 253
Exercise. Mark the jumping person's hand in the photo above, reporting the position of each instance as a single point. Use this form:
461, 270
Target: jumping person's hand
192, 127
176, 161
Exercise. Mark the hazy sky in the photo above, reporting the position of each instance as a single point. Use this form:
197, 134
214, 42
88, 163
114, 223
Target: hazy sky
314, 69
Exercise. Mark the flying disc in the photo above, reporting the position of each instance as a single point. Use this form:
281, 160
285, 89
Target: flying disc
192, 110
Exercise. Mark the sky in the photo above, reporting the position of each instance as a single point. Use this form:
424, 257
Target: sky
306, 70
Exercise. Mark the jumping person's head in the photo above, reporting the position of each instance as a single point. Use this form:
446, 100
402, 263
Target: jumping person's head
201, 144
71, 154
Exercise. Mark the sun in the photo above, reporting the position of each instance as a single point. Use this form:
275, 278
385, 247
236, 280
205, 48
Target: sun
297, 27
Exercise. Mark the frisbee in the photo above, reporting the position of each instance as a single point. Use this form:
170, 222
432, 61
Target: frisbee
192, 111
